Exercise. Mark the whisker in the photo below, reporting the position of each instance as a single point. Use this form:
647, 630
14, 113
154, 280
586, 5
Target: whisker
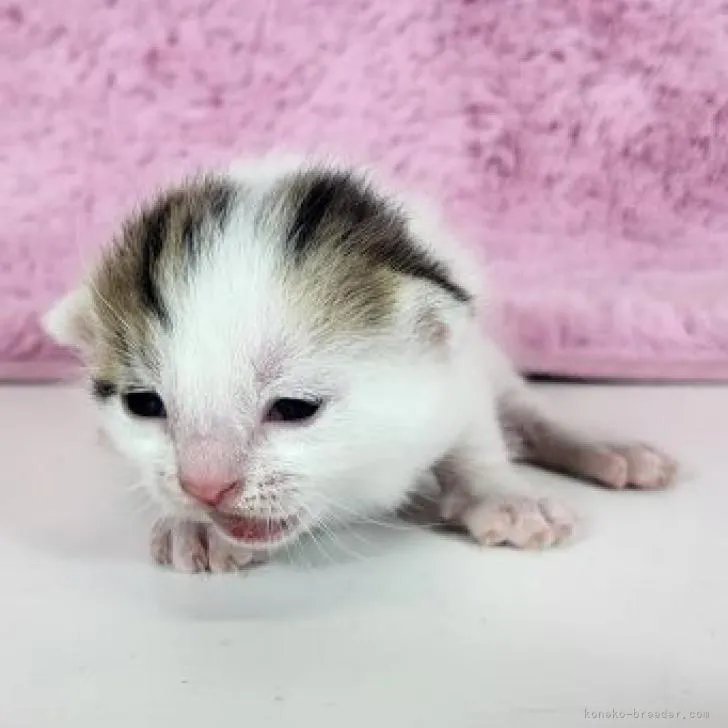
312, 533
138, 498
345, 524
298, 542
358, 517
319, 545
301, 552
339, 543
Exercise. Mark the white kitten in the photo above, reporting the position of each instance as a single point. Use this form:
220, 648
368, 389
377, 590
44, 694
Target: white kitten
284, 342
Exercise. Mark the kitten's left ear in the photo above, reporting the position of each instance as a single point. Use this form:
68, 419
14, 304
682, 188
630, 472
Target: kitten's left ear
433, 315
71, 321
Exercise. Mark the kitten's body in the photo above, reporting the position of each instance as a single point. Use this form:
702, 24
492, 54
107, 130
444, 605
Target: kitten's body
282, 343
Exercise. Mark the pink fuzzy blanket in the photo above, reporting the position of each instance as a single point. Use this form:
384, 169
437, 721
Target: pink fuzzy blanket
581, 144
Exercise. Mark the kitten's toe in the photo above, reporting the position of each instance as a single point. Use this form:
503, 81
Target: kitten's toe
225, 557
489, 523
189, 548
561, 521
161, 544
607, 466
647, 468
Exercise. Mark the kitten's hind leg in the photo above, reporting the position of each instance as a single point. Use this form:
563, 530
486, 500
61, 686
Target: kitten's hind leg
541, 440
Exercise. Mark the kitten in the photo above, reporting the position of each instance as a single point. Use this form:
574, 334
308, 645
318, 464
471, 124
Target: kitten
284, 342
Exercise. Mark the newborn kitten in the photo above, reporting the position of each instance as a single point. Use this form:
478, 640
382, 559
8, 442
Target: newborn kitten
283, 343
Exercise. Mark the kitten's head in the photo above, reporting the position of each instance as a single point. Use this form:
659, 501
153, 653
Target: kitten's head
267, 353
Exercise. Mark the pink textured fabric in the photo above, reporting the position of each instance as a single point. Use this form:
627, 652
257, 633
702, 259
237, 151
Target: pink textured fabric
581, 144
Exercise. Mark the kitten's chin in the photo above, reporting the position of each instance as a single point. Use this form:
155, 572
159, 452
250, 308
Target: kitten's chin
258, 533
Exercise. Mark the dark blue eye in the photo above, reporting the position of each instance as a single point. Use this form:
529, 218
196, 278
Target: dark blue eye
292, 410
144, 404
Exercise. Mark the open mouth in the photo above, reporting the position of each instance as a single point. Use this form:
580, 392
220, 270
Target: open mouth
256, 531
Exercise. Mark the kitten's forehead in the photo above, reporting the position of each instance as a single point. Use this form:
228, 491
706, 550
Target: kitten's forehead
230, 270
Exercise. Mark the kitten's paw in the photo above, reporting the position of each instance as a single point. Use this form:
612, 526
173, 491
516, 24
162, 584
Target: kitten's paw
521, 522
635, 465
196, 547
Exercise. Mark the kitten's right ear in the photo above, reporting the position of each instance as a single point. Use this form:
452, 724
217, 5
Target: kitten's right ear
71, 321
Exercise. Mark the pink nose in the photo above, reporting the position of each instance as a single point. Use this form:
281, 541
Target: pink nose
209, 492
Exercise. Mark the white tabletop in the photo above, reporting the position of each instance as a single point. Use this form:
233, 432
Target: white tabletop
391, 626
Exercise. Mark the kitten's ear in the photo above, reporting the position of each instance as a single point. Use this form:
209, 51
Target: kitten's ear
433, 315
71, 321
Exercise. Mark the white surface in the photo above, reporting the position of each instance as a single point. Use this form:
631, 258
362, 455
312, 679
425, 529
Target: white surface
418, 630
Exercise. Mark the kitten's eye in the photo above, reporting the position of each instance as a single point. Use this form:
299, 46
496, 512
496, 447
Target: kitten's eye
144, 404
292, 410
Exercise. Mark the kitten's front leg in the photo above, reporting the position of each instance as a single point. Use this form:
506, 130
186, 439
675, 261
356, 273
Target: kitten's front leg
193, 547
483, 493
